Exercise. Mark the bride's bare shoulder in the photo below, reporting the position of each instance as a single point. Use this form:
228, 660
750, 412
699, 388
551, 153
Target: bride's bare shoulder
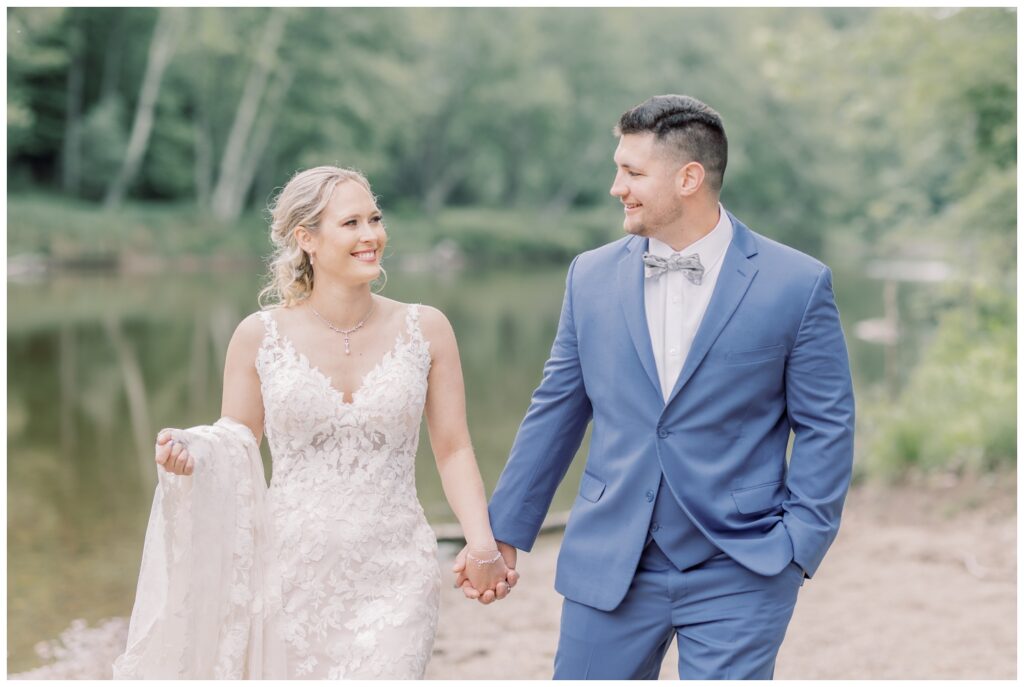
433, 323
390, 310
249, 332
435, 326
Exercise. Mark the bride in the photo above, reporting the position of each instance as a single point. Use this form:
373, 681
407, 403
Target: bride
339, 379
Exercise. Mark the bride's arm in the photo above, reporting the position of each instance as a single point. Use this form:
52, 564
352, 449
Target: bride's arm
449, 434
242, 399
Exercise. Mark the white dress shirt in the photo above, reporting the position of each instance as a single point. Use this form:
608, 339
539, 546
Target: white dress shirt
675, 306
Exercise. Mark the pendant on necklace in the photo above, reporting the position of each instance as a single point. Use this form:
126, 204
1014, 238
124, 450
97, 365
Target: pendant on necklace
344, 332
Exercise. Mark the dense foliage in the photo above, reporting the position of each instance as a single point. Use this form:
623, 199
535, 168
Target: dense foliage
836, 117
855, 135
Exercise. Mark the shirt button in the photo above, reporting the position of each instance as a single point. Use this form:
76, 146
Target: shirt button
650, 495
662, 433
676, 300
673, 351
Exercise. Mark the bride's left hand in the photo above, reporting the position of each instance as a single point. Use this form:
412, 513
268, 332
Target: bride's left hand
486, 594
486, 570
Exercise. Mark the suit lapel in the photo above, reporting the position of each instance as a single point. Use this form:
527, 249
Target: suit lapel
631, 288
733, 281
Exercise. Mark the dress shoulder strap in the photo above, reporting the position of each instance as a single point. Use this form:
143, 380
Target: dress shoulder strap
412, 324
269, 325
412, 320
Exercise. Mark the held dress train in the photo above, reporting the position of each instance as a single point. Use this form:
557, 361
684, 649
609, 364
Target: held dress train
352, 585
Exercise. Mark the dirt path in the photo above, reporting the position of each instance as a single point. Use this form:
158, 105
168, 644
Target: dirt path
920, 583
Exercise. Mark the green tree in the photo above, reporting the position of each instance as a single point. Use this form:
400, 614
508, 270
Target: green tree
959, 409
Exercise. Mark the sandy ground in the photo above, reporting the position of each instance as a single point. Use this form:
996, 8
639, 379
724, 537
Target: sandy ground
921, 583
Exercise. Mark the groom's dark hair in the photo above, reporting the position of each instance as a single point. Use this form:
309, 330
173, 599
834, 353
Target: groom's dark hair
689, 126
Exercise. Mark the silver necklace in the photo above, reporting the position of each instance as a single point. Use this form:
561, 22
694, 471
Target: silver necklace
345, 332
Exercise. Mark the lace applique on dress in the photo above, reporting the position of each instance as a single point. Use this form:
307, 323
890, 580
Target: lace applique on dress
360, 578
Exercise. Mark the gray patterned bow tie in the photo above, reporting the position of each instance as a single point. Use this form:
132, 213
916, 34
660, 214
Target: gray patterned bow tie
655, 266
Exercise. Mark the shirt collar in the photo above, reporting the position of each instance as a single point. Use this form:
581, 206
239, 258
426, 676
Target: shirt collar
710, 247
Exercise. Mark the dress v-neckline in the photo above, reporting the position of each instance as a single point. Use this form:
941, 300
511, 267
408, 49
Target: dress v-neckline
326, 379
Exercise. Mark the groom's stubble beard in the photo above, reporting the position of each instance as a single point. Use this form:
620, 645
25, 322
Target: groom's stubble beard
635, 229
653, 227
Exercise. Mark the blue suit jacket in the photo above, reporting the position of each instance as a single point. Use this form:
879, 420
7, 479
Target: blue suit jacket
769, 357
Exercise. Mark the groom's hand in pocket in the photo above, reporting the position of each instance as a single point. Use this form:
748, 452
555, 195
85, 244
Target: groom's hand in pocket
508, 554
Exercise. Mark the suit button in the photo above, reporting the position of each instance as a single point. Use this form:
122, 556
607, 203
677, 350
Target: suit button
662, 433
650, 495
655, 527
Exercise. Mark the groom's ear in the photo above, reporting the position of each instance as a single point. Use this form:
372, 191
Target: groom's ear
690, 178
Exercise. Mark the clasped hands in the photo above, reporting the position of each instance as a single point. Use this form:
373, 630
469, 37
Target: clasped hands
486, 575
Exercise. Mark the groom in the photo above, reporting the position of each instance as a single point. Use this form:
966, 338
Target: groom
695, 346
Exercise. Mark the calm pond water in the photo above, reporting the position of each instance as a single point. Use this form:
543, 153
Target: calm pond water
98, 364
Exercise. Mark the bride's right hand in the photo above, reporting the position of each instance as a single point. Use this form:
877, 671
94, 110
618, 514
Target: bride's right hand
173, 455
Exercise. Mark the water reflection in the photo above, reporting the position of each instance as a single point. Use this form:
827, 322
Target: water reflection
96, 366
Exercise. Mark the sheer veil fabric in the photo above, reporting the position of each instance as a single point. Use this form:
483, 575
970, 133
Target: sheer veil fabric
209, 587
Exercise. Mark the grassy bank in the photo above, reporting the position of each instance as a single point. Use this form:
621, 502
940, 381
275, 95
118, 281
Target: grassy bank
68, 231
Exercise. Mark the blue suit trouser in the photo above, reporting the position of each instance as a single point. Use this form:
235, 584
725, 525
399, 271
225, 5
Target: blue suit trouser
729, 623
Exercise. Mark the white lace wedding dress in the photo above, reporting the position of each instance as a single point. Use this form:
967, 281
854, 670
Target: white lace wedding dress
332, 572
360, 578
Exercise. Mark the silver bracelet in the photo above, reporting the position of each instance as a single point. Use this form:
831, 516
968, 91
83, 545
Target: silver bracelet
481, 561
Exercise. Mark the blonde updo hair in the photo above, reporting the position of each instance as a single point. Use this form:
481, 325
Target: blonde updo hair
302, 201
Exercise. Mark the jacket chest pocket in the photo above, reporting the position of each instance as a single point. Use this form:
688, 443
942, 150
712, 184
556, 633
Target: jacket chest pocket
749, 356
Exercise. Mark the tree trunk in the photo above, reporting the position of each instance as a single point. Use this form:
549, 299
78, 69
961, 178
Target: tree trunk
204, 152
441, 187
109, 87
71, 155
169, 27
225, 204
260, 139
442, 163
267, 172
